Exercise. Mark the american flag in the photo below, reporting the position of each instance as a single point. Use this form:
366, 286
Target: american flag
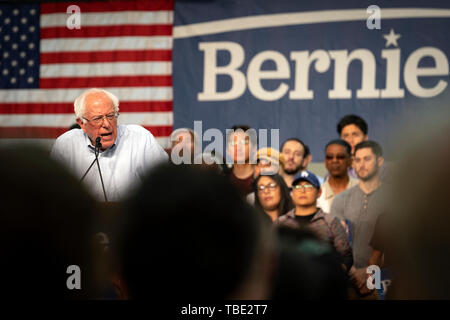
122, 46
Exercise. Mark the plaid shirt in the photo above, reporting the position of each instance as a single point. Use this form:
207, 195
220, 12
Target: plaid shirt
328, 228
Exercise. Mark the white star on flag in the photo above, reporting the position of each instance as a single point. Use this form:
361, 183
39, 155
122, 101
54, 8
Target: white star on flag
392, 38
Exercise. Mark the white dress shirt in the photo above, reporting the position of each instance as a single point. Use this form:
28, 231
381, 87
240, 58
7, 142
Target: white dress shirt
123, 165
326, 198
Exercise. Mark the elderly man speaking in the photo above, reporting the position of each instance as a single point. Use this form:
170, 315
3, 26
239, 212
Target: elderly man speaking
124, 152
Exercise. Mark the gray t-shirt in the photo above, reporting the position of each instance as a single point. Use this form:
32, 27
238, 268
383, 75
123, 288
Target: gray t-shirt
361, 211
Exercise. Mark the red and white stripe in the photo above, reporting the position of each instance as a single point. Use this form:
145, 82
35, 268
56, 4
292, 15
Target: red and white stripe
122, 46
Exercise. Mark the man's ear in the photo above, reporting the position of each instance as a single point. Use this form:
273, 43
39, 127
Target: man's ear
81, 124
380, 161
307, 160
366, 137
319, 193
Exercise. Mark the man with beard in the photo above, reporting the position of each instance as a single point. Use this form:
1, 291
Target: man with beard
296, 157
295, 154
360, 206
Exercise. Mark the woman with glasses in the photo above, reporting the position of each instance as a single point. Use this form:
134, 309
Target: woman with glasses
272, 195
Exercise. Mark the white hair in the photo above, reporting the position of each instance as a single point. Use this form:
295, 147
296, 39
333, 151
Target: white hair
80, 105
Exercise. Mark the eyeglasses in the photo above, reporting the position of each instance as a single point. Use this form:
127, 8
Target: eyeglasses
270, 186
242, 142
306, 187
99, 119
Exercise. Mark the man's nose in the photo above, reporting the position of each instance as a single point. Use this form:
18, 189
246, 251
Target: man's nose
351, 142
105, 122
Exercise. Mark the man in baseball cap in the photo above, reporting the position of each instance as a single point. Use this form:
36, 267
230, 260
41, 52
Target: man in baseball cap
306, 176
305, 192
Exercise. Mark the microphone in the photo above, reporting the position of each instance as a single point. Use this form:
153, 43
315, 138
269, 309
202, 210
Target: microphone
98, 145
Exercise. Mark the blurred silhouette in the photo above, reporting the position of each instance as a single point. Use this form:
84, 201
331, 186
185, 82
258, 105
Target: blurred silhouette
189, 235
45, 227
419, 224
308, 268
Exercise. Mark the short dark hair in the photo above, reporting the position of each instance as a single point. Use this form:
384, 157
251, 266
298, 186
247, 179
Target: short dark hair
340, 142
352, 119
305, 147
242, 127
374, 146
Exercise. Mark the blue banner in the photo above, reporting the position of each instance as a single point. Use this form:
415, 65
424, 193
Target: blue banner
300, 66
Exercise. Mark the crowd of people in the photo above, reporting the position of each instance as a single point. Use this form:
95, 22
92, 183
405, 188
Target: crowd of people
207, 230
341, 209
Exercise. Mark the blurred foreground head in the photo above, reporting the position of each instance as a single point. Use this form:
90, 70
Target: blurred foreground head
420, 217
189, 235
45, 225
308, 269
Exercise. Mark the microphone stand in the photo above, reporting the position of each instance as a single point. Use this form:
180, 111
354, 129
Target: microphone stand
96, 152
98, 145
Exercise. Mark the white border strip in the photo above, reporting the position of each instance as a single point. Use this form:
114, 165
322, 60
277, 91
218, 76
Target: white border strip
300, 18
106, 43
109, 18
56, 70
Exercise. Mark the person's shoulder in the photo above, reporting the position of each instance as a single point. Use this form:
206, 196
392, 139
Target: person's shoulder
321, 180
353, 182
325, 185
349, 191
342, 196
71, 135
329, 217
286, 216
65, 144
135, 130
